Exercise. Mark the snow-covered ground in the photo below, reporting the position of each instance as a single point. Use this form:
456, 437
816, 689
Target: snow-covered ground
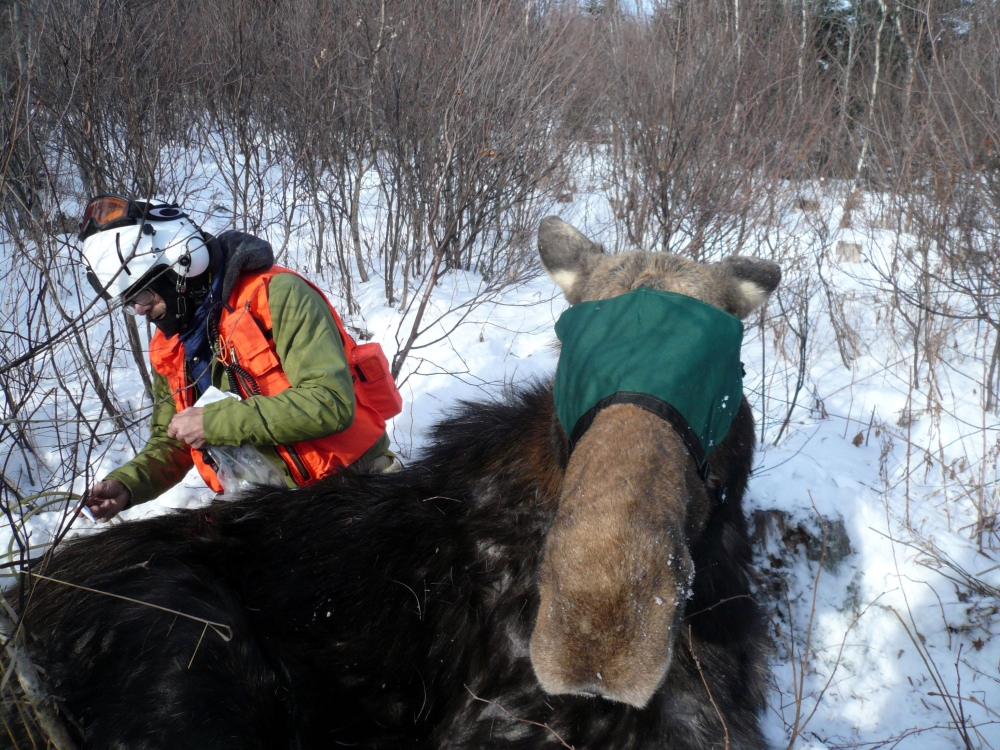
890, 641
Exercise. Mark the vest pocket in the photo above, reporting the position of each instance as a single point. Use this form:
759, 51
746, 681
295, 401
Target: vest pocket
261, 364
373, 379
256, 351
258, 373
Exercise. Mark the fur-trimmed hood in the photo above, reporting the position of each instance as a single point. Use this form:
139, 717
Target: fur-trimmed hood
243, 253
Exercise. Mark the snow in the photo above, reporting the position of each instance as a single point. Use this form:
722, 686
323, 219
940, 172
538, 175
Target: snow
886, 647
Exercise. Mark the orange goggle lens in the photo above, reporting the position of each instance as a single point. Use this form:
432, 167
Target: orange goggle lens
105, 210
102, 211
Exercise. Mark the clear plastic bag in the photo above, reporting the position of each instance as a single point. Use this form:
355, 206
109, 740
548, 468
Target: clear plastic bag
239, 467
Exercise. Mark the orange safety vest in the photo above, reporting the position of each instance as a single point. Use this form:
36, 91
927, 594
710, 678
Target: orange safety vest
245, 340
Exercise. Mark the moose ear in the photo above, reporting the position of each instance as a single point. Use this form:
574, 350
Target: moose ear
566, 254
753, 282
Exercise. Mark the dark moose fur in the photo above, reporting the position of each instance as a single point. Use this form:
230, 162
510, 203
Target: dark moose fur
373, 612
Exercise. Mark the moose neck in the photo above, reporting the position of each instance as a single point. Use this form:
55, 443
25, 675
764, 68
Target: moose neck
616, 570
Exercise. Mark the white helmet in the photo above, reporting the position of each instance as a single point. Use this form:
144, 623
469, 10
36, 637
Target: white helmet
123, 240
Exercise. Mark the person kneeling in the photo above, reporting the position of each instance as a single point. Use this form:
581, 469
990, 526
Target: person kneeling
227, 316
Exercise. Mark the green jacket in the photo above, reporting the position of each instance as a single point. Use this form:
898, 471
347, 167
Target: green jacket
320, 401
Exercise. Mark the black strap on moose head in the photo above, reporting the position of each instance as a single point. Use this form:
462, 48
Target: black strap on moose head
655, 406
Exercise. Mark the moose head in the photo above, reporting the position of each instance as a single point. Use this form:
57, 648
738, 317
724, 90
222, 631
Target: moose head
617, 568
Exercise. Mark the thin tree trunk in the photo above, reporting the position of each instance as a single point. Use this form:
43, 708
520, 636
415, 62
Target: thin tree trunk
320, 231
739, 40
865, 134
802, 54
363, 167
991, 397
88, 361
99, 387
135, 344
906, 135
845, 93
439, 251
397, 361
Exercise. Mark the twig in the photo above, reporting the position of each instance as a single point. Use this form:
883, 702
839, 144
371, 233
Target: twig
971, 698
836, 663
697, 664
197, 645
935, 676
217, 627
523, 721
719, 603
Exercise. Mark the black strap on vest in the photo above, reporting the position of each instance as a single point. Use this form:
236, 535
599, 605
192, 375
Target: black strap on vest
653, 405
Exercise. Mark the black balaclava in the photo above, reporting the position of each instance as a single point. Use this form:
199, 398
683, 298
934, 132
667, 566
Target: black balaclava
181, 305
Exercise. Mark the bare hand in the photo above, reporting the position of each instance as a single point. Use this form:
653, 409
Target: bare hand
189, 426
107, 499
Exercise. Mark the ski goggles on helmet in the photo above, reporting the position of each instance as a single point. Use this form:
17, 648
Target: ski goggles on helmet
105, 212
109, 211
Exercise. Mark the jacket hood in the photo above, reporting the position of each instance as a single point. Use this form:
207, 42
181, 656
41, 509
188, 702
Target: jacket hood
244, 253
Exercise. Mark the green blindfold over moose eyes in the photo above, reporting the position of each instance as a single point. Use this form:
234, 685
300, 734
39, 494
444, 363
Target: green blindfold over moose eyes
667, 353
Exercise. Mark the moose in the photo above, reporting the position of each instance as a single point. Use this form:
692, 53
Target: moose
524, 584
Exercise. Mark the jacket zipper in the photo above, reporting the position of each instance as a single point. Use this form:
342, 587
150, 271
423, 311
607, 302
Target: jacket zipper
297, 460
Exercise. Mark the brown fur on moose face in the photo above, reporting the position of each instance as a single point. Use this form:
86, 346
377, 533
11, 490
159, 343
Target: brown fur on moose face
616, 570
